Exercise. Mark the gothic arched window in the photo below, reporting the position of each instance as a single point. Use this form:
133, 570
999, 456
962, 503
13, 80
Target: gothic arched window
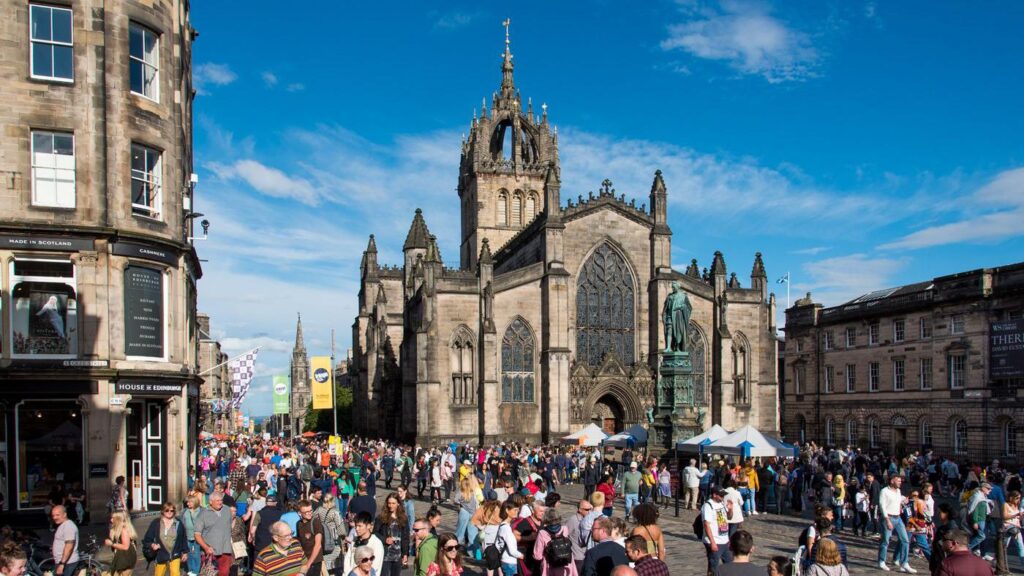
605, 319
517, 365
531, 207
461, 362
502, 208
701, 386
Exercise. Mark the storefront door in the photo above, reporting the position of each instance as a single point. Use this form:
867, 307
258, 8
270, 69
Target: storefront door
146, 453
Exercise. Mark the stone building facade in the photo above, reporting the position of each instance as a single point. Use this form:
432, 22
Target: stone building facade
98, 334
301, 392
552, 320
921, 366
215, 413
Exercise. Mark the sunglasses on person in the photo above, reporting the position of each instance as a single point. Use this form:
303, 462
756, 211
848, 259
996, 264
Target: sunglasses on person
451, 547
369, 559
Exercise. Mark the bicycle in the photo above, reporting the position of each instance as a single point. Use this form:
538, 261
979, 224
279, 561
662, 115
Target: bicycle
88, 565
40, 563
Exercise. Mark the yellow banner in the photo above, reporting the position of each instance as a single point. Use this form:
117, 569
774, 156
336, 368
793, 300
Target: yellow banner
322, 382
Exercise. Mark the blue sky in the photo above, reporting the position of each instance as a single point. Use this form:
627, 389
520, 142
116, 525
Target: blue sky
858, 145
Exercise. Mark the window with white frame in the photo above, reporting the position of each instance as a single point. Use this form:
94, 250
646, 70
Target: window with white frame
956, 324
960, 437
851, 377
830, 374
503, 208
925, 429
799, 376
899, 330
873, 432
925, 374
52, 52
899, 375
146, 181
851, 432
851, 337
873, 334
1009, 438
873, 376
144, 61
925, 327
830, 431
53, 169
828, 340
957, 364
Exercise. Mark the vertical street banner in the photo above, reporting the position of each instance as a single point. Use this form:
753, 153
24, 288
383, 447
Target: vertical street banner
1006, 349
321, 382
241, 370
281, 390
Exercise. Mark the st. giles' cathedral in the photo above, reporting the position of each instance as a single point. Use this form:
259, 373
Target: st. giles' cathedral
553, 318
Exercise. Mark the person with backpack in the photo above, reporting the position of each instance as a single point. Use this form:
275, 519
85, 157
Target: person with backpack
714, 528
526, 530
500, 549
334, 529
553, 547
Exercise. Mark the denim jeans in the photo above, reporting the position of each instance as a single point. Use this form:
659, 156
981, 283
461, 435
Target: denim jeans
745, 493
631, 501
509, 569
194, 552
839, 522
978, 538
903, 551
921, 541
1007, 540
722, 556
466, 531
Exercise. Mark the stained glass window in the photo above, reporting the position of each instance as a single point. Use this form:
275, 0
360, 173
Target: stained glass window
697, 355
517, 364
605, 319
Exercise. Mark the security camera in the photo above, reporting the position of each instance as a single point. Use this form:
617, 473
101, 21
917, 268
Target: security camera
194, 179
206, 226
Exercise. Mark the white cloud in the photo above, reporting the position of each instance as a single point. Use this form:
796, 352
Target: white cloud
454, 20
265, 343
269, 78
270, 181
833, 281
1002, 201
812, 251
210, 73
747, 37
295, 87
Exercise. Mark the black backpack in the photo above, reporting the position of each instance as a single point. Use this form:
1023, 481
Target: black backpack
558, 552
493, 553
698, 525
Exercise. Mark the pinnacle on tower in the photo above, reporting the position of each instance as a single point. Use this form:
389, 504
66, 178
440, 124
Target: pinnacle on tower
371, 247
419, 235
485, 253
693, 271
758, 271
718, 265
508, 87
300, 344
433, 253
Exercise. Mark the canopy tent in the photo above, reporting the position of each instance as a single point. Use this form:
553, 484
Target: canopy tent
591, 435
631, 437
694, 445
748, 442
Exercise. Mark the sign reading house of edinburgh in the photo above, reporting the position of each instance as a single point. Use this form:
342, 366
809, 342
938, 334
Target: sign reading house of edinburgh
143, 312
145, 251
1006, 349
150, 388
45, 243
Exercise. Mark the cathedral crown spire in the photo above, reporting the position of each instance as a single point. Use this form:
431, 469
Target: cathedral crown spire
419, 235
508, 86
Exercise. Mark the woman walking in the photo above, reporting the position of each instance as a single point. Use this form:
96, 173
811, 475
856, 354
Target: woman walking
390, 527
118, 496
122, 543
469, 498
449, 561
554, 557
334, 530
165, 542
188, 518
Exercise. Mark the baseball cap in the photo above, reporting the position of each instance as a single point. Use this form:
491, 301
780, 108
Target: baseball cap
719, 491
632, 464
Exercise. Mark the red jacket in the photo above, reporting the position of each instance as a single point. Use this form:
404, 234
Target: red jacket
609, 493
963, 563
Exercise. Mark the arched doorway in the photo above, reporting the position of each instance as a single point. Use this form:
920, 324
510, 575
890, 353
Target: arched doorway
608, 414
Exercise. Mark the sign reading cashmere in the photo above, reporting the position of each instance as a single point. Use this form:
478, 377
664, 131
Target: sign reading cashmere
242, 369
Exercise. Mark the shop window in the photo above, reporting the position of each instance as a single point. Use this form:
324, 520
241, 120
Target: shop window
49, 438
44, 309
144, 298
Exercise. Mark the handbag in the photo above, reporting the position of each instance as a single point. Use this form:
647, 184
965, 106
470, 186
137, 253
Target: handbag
124, 559
208, 567
239, 549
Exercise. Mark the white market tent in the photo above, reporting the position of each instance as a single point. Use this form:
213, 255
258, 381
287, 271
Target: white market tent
748, 442
632, 437
697, 443
590, 435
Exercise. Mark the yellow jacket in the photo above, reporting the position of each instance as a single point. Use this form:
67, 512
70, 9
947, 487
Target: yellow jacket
752, 482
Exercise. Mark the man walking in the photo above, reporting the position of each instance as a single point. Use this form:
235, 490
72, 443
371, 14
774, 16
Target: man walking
282, 557
631, 487
310, 533
572, 526
959, 560
889, 506
715, 516
65, 542
691, 484
213, 533
977, 513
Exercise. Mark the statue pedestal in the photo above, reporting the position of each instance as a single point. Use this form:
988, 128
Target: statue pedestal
676, 417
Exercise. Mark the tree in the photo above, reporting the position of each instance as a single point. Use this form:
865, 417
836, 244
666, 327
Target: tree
320, 420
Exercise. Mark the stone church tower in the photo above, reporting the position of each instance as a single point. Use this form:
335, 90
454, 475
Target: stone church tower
552, 320
301, 394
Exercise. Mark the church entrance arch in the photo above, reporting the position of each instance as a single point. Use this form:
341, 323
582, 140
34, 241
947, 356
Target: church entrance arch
608, 414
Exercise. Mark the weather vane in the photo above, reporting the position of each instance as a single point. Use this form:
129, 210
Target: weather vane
505, 24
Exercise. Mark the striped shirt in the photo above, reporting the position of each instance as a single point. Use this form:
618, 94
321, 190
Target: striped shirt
271, 562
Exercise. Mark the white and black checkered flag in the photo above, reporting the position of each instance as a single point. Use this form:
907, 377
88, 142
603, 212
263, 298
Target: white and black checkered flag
242, 369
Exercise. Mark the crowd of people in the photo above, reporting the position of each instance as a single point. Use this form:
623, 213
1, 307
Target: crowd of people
278, 508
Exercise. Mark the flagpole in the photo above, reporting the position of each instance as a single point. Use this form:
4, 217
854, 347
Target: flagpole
789, 281
211, 369
334, 394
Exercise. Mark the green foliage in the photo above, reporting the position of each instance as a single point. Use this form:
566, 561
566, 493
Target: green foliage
320, 420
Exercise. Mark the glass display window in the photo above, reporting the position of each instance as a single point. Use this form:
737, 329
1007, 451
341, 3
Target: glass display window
44, 309
49, 450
